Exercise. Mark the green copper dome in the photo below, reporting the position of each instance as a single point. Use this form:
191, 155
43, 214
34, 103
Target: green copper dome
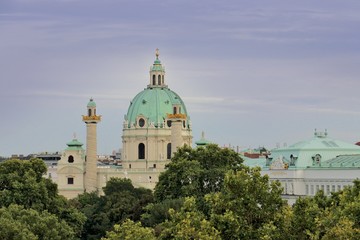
91, 103
153, 104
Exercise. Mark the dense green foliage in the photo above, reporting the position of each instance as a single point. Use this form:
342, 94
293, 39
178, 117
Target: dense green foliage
205, 193
188, 223
129, 230
156, 213
22, 183
121, 201
19, 223
237, 202
246, 205
328, 217
196, 172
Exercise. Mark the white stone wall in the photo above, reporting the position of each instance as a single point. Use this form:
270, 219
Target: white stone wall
307, 182
91, 158
75, 170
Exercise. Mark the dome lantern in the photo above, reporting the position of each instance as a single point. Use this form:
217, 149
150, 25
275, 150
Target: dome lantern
157, 73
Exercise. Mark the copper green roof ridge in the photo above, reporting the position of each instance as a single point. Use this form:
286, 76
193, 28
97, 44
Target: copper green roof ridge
74, 142
74, 145
202, 140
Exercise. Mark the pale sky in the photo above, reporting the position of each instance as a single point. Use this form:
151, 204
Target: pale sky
251, 73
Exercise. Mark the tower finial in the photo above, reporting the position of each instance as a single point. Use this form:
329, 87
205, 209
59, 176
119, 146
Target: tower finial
157, 53
74, 135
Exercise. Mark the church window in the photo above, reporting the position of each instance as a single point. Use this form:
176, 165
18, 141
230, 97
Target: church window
179, 109
174, 110
71, 159
154, 166
184, 125
129, 165
89, 112
163, 79
168, 123
168, 151
159, 79
141, 151
154, 80
70, 180
95, 112
141, 122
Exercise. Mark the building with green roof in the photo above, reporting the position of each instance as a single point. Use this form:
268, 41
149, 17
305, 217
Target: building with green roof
70, 173
202, 141
156, 124
319, 163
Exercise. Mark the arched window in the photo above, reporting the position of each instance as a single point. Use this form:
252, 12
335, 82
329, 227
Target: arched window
179, 109
174, 110
159, 79
141, 151
163, 80
89, 112
154, 81
71, 159
168, 151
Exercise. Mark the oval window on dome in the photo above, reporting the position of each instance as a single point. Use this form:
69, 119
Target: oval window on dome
141, 122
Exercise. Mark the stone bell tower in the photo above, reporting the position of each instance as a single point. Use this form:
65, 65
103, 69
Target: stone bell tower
91, 119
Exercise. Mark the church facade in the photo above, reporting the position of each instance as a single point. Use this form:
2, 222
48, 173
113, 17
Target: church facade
156, 124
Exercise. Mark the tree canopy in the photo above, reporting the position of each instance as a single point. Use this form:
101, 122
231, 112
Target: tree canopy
236, 202
247, 204
19, 223
196, 172
22, 183
129, 230
121, 201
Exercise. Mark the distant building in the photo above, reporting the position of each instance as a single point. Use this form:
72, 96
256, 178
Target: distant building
306, 167
260, 152
203, 141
